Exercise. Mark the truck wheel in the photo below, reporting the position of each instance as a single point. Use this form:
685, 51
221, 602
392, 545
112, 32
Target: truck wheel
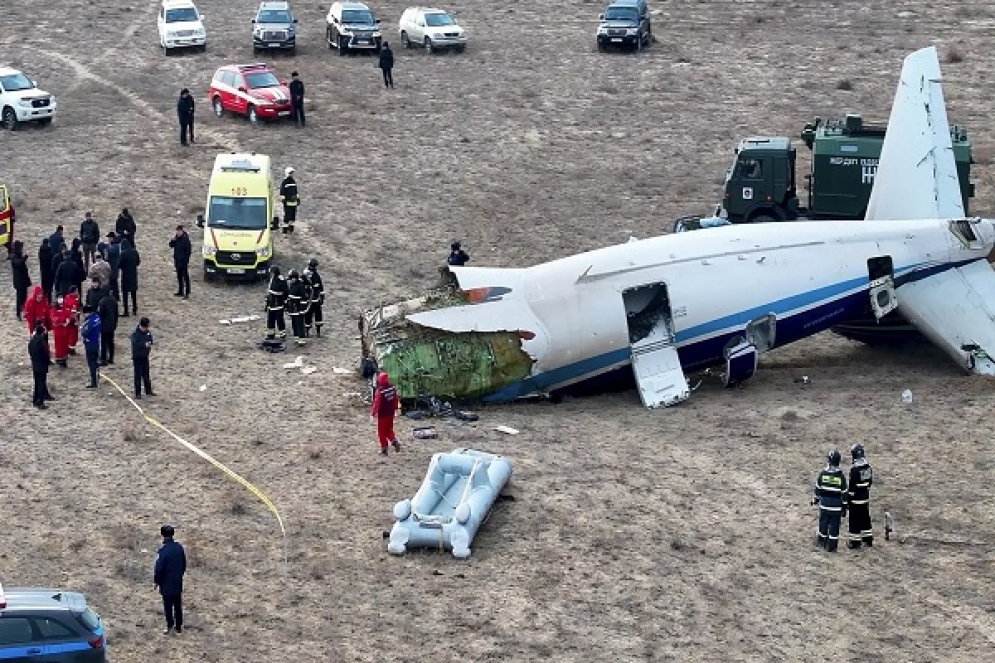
219, 110
404, 40
9, 119
328, 38
253, 115
342, 46
428, 46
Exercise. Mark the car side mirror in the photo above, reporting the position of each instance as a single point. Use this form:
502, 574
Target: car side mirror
253, 20
601, 17
295, 20
241, 88
377, 21
200, 220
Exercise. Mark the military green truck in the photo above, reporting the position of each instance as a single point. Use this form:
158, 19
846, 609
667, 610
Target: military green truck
760, 185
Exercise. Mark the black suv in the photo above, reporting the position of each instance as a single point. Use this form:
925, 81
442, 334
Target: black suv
625, 24
49, 625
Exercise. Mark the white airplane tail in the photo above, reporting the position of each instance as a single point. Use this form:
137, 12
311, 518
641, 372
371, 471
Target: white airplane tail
917, 172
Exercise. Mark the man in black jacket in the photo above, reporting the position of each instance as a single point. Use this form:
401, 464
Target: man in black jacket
386, 64
184, 109
276, 300
89, 235
290, 199
40, 359
128, 263
125, 226
316, 288
141, 346
107, 310
181, 261
297, 99
67, 272
20, 275
298, 299
170, 565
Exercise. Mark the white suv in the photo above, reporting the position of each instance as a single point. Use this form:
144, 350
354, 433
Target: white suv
180, 26
22, 101
432, 29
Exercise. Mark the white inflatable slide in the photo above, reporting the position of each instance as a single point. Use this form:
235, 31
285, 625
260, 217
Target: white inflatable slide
453, 501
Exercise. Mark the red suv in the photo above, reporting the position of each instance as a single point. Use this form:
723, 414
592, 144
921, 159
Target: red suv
249, 89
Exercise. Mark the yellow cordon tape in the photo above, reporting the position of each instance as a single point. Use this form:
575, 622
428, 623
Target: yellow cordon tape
206, 456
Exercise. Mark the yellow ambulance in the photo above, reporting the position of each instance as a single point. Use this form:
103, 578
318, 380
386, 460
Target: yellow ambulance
238, 239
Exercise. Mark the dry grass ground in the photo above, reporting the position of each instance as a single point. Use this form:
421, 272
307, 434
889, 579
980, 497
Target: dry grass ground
678, 535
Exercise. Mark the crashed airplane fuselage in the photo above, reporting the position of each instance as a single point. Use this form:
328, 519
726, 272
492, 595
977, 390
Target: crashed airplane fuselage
684, 302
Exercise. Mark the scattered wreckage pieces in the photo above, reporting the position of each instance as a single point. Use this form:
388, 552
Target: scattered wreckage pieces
244, 318
507, 430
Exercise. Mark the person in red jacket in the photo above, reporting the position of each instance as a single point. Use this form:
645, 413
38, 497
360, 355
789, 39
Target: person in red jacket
385, 403
72, 303
62, 320
36, 309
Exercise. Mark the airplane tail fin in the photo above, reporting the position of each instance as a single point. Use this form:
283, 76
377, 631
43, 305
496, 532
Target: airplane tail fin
917, 174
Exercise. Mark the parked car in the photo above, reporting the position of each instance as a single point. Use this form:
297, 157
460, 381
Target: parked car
181, 26
625, 24
274, 27
251, 90
22, 101
431, 29
351, 26
49, 625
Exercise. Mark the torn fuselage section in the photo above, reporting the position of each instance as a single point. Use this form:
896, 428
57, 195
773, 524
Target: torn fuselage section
425, 361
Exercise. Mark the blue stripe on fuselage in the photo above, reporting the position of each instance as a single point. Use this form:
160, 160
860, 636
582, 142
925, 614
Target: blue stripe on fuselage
697, 355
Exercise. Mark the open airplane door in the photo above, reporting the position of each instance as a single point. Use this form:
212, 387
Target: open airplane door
657, 367
883, 298
659, 375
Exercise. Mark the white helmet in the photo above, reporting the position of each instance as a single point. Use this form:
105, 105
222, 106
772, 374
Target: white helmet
289, 171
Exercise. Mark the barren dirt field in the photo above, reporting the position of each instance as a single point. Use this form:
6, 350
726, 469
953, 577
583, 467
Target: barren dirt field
676, 535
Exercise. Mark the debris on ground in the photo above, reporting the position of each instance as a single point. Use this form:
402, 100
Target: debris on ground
425, 433
271, 345
244, 318
308, 370
297, 363
506, 429
343, 371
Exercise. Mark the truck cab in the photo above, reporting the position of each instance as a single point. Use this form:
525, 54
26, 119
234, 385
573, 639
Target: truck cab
239, 217
761, 186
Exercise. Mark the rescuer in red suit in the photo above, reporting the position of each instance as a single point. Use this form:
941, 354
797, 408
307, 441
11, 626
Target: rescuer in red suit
385, 404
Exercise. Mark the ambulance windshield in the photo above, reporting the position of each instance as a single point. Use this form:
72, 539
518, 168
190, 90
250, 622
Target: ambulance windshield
237, 213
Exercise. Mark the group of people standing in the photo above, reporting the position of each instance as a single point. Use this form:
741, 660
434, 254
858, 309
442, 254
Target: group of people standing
836, 496
57, 305
302, 296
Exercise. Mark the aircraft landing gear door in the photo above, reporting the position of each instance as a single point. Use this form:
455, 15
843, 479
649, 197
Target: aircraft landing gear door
881, 273
657, 367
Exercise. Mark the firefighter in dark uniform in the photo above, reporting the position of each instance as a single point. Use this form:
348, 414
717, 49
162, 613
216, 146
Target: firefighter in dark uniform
276, 299
297, 305
859, 499
314, 315
830, 495
290, 200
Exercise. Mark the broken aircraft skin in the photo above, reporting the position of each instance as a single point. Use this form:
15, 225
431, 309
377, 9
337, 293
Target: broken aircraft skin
689, 301
430, 362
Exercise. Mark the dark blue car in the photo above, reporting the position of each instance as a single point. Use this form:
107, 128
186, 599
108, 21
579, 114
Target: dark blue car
49, 625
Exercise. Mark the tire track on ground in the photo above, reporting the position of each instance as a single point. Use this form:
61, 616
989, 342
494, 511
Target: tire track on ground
126, 36
85, 72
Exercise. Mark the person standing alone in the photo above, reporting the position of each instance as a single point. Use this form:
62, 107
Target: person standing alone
181, 261
170, 565
20, 275
128, 263
830, 495
141, 346
386, 65
107, 309
184, 111
90, 331
290, 199
861, 479
297, 99
40, 359
89, 236
385, 404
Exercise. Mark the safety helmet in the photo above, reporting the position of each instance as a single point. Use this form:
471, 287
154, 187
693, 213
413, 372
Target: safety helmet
312, 263
834, 458
857, 451
292, 274
289, 171
274, 270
